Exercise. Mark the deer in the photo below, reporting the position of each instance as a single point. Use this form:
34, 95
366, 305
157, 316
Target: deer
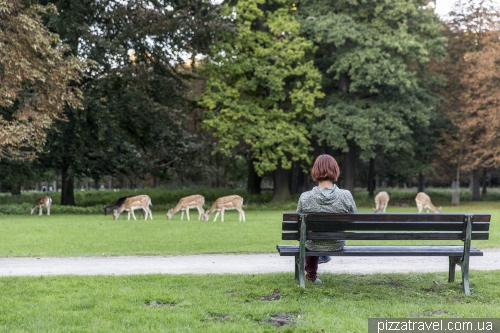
185, 204
381, 201
226, 203
118, 203
424, 201
132, 203
43, 201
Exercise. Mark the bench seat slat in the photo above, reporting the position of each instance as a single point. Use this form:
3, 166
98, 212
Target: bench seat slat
387, 250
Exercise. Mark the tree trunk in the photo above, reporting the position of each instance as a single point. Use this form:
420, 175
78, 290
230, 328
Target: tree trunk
485, 181
121, 181
97, 180
421, 187
348, 168
294, 178
67, 189
15, 189
475, 185
371, 178
455, 199
302, 181
344, 83
281, 184
253, 179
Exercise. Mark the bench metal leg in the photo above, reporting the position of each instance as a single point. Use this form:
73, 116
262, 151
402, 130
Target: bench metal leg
466, 256
463, 262
296, 268
464, 266
302, 252
451, 271
465, 279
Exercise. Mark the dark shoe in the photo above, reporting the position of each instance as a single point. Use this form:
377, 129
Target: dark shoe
323, 260
317, 281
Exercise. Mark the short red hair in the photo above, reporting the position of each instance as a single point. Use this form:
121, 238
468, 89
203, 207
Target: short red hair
325, 168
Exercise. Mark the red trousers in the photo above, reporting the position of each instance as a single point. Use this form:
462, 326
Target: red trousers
311, 267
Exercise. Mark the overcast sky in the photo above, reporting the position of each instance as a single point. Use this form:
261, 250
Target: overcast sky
443, 7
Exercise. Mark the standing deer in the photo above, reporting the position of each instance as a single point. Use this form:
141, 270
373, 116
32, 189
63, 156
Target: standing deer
44, 201
118, 203
132, 203
226, 203
424, 201
381, 201
185, 204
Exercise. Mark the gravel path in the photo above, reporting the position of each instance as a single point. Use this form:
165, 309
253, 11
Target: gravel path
229, 264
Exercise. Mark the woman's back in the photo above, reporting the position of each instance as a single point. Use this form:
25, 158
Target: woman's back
326, 200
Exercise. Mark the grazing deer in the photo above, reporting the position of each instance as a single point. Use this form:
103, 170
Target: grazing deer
185, 204
381, 201
118, 203
132, 203
424, 201
44, 201
226, 203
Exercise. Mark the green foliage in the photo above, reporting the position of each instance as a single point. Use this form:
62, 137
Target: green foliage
234, 303
137, 95
373, 57
262, 87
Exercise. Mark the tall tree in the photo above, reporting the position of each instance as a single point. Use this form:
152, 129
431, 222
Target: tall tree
37, 79
136, 103
262, 88
373, 57
472, 73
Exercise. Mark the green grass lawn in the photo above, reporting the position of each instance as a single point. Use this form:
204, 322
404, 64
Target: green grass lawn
215, 303
236, 303
97, 235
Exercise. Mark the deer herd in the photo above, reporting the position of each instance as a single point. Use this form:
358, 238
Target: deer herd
422, 200
230, 202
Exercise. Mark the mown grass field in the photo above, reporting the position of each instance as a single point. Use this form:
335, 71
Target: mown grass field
236, 303
97, 235
216, 303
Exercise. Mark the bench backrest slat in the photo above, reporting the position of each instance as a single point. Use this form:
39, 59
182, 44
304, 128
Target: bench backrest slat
385, 236
370, 226
381, 226
393, 236
392, 217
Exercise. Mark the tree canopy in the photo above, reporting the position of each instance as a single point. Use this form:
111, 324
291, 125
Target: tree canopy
38, 79
373, 57
262, 86
192, 90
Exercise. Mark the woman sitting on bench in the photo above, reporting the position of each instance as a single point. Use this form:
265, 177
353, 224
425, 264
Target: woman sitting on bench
324, 198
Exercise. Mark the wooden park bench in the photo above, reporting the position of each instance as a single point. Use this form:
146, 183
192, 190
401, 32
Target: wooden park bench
374, 227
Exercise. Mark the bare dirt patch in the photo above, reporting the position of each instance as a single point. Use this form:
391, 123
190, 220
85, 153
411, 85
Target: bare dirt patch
273, 297
159, 304
282, 319
219, 317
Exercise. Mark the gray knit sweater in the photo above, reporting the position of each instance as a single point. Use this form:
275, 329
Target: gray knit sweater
326, 200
